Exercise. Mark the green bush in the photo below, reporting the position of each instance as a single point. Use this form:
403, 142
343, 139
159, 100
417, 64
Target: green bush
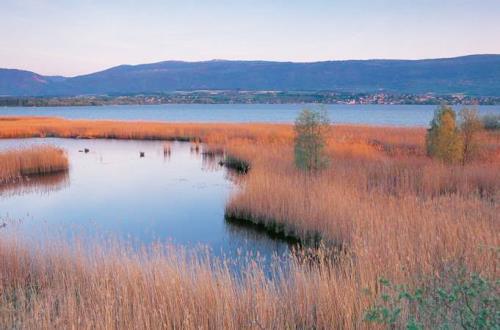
443, 139
455, 299
311, 128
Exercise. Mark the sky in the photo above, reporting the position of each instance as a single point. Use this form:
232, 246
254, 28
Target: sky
72, 37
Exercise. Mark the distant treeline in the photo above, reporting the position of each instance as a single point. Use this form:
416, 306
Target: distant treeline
249, 97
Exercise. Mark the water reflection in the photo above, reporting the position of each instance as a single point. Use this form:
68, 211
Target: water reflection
211, 161
39, 185
249, 231
176, 193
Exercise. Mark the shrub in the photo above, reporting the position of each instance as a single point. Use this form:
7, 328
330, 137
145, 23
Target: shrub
470, 125
454, 299
443, 138
311, 128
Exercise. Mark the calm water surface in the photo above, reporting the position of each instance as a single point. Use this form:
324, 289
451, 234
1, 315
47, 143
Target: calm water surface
112, 191
397, 115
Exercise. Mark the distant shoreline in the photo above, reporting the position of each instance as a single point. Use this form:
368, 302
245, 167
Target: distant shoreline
249, 97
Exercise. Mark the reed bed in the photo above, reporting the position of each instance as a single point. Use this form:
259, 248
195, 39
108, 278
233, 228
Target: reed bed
16, 165
12, 127
390, 211
160, 288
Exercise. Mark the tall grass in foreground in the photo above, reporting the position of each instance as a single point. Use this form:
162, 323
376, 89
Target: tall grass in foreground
18, 164
59, 287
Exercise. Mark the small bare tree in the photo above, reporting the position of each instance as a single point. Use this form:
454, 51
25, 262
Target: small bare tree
311, 128
470, 125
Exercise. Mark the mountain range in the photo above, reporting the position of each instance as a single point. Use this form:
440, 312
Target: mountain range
477, 75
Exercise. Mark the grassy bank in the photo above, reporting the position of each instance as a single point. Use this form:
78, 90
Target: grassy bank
16, 165
396, 214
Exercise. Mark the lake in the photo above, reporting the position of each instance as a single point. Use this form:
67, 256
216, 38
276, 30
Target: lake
179, 198
394, 115
113, 192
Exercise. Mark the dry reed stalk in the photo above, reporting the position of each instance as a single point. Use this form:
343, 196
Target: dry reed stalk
18, 164
60, 287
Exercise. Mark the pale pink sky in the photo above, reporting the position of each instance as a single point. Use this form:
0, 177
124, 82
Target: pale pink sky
70, 37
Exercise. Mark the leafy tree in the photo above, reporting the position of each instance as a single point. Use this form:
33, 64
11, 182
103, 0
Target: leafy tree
470, 125
443, 137
311, 128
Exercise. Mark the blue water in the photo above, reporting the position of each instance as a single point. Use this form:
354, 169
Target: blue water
394, 115
113, 192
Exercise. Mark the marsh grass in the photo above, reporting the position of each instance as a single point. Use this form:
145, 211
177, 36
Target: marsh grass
388, 209
17, 165
55, 286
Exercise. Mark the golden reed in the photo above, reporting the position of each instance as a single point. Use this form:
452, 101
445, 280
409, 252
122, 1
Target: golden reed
15, 165
395, 212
